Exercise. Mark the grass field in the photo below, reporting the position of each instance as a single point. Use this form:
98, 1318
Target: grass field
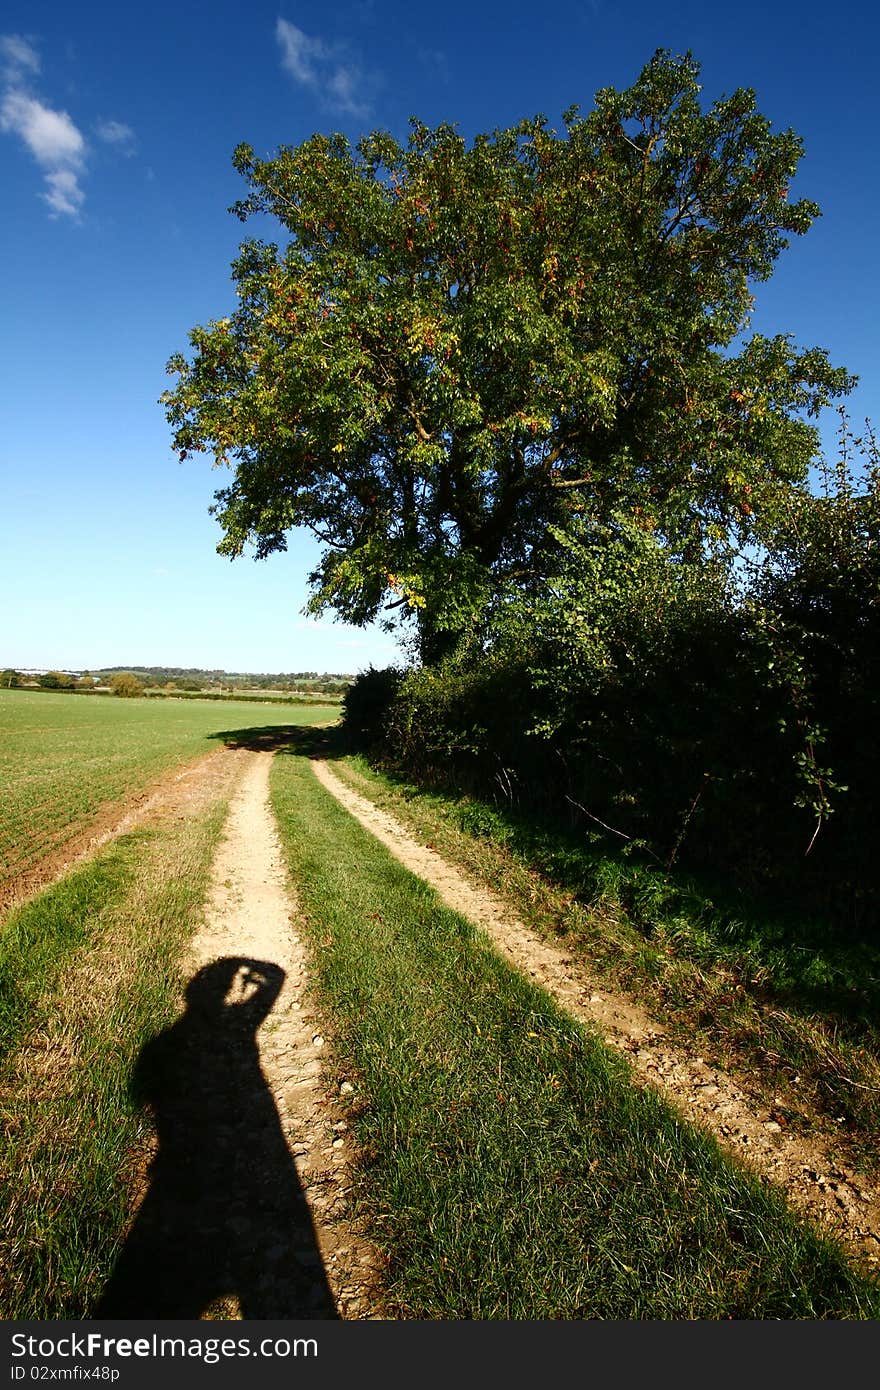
64, 758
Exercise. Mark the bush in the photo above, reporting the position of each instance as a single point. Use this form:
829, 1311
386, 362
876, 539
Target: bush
366, 703
815, 602
126, 685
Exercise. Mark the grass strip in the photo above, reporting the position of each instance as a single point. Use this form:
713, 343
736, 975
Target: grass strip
37, 938
764, 997
511, 1170
71, 1140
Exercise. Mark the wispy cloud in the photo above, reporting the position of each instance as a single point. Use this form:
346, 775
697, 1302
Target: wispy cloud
436, 62
50, 135
328, 70
18, 57
64, 194
55, 143
117, 134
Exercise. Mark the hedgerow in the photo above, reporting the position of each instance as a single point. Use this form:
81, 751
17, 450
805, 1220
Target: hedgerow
714, 716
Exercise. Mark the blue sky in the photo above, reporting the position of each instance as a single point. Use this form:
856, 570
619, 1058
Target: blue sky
117, 126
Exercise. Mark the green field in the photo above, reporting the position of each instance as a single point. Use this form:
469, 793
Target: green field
65, 758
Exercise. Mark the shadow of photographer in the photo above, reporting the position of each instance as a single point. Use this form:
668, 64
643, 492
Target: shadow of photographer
225, 1215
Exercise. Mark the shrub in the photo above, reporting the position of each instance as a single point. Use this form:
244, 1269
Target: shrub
366, 703
126, 685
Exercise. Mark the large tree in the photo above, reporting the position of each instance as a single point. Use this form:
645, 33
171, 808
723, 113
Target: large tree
460, 344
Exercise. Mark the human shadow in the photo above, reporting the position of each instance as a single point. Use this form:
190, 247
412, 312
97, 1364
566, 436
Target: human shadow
225, 1215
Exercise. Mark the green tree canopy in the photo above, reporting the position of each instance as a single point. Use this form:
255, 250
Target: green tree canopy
459, 345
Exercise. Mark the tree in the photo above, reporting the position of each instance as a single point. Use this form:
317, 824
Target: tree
126, 685
56, 680
460, 345
10, 679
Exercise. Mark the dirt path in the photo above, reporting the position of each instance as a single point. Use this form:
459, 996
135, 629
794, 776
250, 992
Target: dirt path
251, 918
844, 1202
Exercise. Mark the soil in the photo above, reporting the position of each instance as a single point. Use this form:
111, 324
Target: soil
843, 1202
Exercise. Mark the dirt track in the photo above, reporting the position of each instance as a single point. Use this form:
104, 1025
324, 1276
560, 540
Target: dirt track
267, 1234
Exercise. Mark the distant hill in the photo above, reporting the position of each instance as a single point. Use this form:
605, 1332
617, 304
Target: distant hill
259, 680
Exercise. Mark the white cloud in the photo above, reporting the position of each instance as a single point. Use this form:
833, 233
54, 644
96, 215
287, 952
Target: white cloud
341, 85
65, 194
323, 69
52, 138
55, 144
117, 134
299, 54
18, 56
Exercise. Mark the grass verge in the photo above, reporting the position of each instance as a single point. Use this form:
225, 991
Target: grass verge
510, 1168
90, 971
770, 1001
